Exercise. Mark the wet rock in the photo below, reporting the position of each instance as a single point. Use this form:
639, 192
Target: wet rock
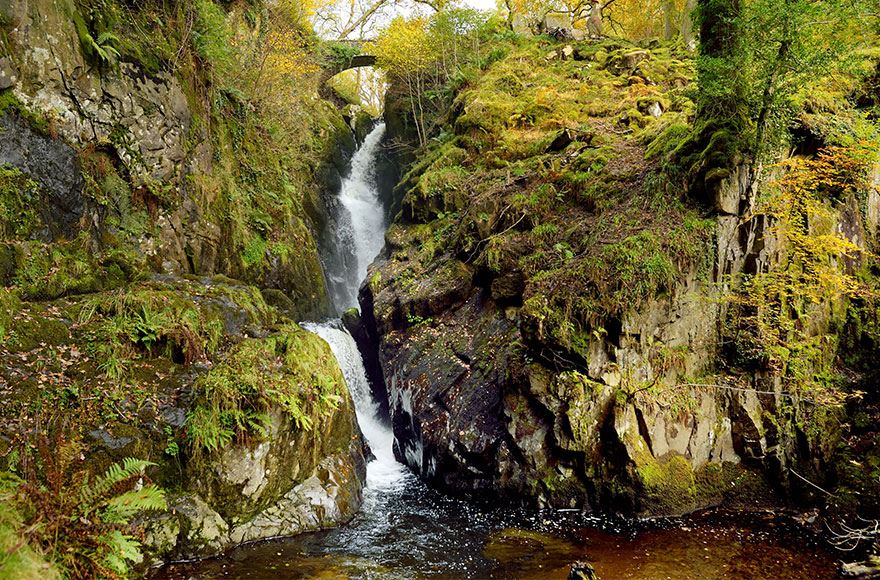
53, 164
582, 571
369, 349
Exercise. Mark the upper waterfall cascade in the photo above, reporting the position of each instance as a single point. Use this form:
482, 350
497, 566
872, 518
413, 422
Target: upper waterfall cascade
361, 228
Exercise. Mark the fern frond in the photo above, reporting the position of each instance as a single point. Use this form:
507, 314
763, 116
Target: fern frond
123, 507
106, 38
260, 422
116, 473
118, 550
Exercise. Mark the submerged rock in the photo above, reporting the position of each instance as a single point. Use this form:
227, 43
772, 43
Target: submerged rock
582, 571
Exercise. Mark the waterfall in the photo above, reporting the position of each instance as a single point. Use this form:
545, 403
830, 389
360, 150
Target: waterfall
361, 229
384, 472
360, 232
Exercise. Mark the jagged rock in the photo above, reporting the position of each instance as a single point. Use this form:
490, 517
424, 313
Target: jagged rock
472, 414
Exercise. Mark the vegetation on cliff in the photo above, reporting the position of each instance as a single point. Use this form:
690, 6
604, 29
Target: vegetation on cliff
193, 146
623, 274
595, 192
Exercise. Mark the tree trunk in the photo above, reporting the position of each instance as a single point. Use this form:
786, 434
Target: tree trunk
687, 25
719, 30
719, 43
669, 19
594, 23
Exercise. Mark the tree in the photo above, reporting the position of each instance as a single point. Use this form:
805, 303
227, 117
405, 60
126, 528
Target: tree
638, 19
408, 52
758, 57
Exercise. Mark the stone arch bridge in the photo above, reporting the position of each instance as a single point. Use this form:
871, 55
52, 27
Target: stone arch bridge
358, 60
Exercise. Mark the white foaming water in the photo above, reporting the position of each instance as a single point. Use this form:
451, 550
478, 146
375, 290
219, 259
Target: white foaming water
359, 195
384, 473
365, 231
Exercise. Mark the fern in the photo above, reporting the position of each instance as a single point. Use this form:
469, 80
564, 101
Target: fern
85, 524
103, 47
117, 551
121, 508
115, 474
107, 38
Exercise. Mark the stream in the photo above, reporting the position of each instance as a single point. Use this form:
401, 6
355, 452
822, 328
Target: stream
406, 530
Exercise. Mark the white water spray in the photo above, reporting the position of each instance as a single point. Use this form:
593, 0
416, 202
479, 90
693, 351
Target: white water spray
383, 473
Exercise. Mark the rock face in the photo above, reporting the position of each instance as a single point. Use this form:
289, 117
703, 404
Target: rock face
56, 166
136, 181
497, 389
474, 410
292, 483
297, 473
71, 118
87, 104
482, 403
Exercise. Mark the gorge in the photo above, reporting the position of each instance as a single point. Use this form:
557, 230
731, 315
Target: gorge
564, 303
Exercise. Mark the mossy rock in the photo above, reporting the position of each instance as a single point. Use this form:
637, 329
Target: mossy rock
19, 198
668, 484
34, 328
47, 271
268, 413
731, 484
9, 306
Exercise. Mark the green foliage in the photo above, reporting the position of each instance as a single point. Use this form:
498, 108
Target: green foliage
759, 60
291, 371
337, 55
82, 526
18, 559
543, 183
212, 36
146, 34
425, 57
19, 198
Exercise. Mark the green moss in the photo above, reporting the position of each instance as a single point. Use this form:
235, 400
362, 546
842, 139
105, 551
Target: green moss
669, 485
183, 322
670, 135
293, 371
9, 305
19, 198
47, 271
731, 484
9, 103
35, 328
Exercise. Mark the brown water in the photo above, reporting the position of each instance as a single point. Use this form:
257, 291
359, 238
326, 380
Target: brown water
413, 532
